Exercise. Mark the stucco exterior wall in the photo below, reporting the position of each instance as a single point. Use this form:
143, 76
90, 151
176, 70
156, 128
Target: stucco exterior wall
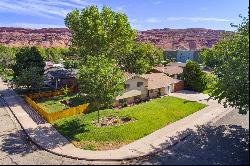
133, 85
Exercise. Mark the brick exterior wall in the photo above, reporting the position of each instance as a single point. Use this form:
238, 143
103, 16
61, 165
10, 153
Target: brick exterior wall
178, 86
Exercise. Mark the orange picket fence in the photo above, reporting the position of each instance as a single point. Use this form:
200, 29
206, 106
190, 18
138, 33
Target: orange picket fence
51, 117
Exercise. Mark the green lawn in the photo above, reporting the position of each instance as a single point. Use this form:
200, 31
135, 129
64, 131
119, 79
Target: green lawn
53, 104
149, 117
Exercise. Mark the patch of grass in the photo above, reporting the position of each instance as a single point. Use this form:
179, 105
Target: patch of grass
148, 117
53, 104
89, 147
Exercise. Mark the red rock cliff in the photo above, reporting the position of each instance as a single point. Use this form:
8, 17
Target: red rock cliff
184, 39
168, 39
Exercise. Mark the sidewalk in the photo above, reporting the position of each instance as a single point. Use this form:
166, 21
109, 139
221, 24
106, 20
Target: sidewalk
45, 135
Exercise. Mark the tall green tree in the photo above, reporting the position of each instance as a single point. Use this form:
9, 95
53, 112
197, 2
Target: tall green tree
54, 54
28, 61
209, 58
30, 78
7, 56
100, 32
42, 51
141, 59
195, 79
232, 69
71, 63
101, 81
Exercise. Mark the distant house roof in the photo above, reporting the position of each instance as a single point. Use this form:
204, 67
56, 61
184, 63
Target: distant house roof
181, 64
158, 80
60, 73
128, 75
169, 70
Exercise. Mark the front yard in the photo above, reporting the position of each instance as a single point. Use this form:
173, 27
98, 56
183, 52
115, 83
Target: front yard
83, 132
59, 103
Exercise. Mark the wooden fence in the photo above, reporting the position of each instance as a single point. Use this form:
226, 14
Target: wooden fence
51, 117
47, 94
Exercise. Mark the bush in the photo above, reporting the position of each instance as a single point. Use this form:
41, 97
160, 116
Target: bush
195, 79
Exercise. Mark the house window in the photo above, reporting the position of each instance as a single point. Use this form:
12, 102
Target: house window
121, 101
139, 84
137, 98
126, 86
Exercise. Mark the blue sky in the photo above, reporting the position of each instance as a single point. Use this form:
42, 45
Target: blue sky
143, 14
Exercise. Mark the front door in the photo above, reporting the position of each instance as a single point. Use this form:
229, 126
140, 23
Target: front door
167, 89
171, 88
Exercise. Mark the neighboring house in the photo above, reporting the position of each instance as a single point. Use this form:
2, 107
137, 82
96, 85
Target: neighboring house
183, 56
173, 69
60, 77
60, 65
48, 65
142, 87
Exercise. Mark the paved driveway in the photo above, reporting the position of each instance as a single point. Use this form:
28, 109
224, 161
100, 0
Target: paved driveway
224, 142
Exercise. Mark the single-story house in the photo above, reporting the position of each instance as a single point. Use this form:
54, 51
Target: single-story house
60, 77
142, 87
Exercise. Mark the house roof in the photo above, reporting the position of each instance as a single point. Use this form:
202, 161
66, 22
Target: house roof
181, 64
169, 70
128, 75
60, 73
158, 80
129, 94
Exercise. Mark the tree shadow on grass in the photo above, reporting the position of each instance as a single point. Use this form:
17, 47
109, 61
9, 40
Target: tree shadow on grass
189, 101
208, 145
76, 101
71, 128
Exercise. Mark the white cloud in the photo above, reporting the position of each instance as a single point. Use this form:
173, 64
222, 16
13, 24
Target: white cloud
198, 19
153, 20
157, 2
79, 2
33, 26
119, 8
138, 27
132, 20
203, 8
44, 8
